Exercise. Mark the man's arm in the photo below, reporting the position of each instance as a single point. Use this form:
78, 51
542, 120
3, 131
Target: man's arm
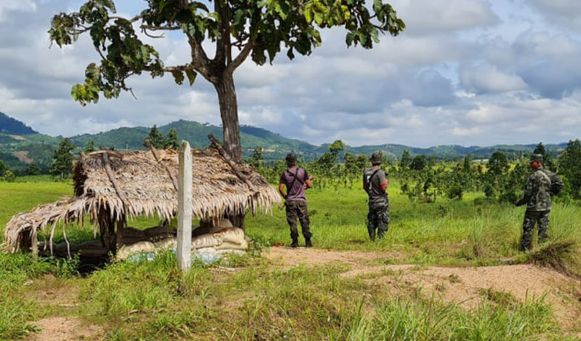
383, 185
282, 186
365, 184
309, 182
383, 182
282, 190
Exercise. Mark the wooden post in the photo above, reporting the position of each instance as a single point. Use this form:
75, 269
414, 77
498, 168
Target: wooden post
184, 242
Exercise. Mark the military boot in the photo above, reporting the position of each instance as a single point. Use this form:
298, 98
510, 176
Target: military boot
308, 243
295, 243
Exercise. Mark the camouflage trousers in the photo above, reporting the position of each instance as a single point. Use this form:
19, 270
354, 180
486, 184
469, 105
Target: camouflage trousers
541, 218
377, 220
298, 209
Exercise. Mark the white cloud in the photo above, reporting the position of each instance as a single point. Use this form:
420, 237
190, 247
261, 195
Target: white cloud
7, 6
465, 72
425, 17
487, 78
467, 132
560, 12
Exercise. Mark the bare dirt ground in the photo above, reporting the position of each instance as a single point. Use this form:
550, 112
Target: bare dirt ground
65, 329
465, 286
50, 291
23, 157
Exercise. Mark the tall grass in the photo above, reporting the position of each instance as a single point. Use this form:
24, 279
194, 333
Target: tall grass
150, 301
446, 232
154, 301
402, 319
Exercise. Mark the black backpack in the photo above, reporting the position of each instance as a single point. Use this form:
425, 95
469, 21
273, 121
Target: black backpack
368, 183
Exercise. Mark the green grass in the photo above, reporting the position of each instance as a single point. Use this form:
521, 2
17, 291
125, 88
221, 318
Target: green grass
401, 319
17, 273
446, 232
154, 301
18, 197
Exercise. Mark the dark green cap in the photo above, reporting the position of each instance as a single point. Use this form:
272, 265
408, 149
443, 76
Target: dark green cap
291, 158
375, 158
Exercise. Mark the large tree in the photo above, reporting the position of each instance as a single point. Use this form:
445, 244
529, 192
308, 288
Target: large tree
232, 29
570, 166
62, 159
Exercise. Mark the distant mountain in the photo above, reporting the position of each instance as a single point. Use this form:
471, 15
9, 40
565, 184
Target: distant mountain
9, 125
20, 145
121, 138
274, 145
452, 152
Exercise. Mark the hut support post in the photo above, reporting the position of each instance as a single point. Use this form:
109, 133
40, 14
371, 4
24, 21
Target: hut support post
34, 247
184, 238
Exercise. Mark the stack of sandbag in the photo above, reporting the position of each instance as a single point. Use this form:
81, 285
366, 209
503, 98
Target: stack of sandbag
206, 246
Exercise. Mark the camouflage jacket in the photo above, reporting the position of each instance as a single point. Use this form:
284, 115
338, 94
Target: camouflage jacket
537, 195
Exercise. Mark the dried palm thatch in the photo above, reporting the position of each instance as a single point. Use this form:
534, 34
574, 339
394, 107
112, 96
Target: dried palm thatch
144, 183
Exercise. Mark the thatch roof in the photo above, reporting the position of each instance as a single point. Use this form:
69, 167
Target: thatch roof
144, 183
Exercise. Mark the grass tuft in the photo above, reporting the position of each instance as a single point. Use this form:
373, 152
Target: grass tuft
561, 256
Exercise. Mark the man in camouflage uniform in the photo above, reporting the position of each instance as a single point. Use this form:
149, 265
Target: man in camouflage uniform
537, 197
293, 183
375, 184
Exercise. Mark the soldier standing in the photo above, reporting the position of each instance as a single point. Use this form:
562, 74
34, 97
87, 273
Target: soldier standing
293, 183
375, 184
537, 196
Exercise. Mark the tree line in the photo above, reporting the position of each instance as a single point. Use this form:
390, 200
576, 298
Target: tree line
423, 178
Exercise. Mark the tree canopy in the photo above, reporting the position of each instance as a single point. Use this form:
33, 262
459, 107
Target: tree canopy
234, 29
62, 160
570, 166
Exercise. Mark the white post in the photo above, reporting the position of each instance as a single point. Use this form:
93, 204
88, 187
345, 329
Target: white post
184, 242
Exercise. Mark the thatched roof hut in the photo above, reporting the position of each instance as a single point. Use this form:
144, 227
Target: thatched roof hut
111, 186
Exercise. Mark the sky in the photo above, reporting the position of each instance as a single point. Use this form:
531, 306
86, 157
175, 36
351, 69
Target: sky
466, 72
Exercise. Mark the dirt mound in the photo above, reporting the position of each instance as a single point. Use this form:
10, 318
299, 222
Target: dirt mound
466, 286
65, 329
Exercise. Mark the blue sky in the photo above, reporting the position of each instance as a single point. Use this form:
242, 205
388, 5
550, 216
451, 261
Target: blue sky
468, 72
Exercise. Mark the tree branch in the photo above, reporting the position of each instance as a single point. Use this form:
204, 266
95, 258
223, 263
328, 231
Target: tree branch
177, 68
160, 28
200, 60
241, 57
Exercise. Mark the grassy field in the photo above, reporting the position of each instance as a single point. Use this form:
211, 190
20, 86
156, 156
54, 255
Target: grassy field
252, 298
470, 231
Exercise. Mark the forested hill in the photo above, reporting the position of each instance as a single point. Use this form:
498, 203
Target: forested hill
9, 125
274, 145
21, 146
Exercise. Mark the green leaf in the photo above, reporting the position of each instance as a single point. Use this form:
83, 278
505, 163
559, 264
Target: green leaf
191, 74
349, 38
308, 13
178, 77
319, 18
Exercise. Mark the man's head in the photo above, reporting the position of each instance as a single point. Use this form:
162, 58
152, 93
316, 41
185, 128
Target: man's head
375, 159
291, 159
536, 161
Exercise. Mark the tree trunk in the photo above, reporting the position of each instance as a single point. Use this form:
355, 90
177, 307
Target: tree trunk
230, 127
229, 113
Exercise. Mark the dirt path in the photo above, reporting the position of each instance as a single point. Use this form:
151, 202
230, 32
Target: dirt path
65, 329
466, 286
62, 296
